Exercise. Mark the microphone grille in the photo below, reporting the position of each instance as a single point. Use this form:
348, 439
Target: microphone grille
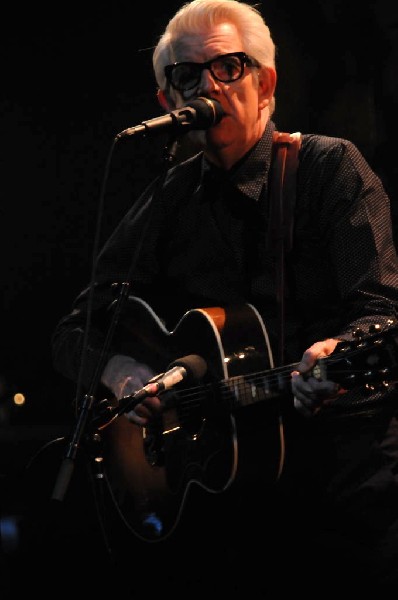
208, 112
194, 364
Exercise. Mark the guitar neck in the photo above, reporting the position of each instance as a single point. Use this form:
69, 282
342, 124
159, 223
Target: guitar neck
257, 387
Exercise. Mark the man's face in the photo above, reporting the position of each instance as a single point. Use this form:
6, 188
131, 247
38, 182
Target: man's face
242, 100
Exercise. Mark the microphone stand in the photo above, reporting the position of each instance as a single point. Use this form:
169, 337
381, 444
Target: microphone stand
86, 408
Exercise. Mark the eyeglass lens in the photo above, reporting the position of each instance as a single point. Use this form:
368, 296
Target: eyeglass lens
185, 76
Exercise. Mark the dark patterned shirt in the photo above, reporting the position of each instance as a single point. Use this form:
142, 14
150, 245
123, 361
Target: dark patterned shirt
203, 241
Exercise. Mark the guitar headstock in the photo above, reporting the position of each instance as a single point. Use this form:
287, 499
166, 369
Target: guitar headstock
369, 361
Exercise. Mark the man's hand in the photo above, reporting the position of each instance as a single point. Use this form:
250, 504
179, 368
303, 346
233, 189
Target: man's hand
309, 392
124, 375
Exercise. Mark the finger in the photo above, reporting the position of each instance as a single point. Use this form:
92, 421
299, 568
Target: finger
153, 403
142, 411
328, 389
301, 387
145, 410
324, 388
302, 408
134, 418
309, 358
306, 399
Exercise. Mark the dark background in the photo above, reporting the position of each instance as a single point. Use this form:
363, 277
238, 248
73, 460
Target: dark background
72, 81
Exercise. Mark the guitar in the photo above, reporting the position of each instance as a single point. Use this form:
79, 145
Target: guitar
149, 471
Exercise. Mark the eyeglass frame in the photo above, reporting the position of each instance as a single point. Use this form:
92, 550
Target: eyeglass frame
245, 60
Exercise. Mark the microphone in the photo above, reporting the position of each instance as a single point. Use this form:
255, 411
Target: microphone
201, 113
191, 367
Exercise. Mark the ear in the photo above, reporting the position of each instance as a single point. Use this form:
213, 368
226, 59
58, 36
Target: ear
266, 86
165, 100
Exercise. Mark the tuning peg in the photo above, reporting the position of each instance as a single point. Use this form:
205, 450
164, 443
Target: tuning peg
369, 389
381, 386
374, 328
384, 385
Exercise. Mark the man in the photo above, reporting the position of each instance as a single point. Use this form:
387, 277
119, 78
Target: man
335, 505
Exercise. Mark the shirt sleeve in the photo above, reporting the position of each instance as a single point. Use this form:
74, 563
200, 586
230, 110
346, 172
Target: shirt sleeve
354, 220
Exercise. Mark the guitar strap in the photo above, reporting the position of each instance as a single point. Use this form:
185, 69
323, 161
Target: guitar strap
282, 199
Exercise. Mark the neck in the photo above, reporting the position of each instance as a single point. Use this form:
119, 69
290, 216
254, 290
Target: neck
224, 154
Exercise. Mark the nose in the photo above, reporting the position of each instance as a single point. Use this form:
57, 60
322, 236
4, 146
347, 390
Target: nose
207, 82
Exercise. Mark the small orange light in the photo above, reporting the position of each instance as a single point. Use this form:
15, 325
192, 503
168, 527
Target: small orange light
19, 399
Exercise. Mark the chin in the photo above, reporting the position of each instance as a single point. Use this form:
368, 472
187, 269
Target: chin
216, 137
220, 137
197, 138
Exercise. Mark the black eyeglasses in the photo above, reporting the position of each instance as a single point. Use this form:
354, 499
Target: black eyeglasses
184, 76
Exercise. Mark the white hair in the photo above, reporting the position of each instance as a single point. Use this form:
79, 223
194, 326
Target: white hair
197, 15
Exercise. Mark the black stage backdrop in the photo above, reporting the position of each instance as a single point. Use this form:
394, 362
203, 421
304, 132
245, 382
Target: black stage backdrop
74, 79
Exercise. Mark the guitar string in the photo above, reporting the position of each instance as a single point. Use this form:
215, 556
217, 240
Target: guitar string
264, 384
